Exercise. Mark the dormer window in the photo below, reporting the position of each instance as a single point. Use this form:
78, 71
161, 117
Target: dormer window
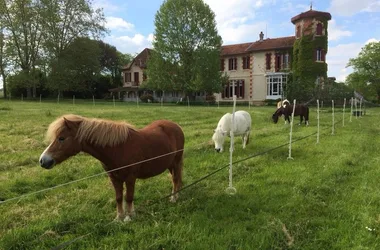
319, 29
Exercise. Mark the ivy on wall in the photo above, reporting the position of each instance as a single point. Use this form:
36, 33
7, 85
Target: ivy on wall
305, 69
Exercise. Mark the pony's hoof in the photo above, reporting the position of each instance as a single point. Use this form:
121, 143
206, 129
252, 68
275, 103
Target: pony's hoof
173, 199
127, 218
118, 219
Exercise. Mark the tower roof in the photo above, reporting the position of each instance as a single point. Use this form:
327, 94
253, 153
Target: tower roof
310, 14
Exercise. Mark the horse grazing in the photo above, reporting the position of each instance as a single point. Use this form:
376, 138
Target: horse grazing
117, 145
287, 110
242, 126
282, 103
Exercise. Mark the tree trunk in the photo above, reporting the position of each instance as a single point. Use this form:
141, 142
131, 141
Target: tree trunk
4, 84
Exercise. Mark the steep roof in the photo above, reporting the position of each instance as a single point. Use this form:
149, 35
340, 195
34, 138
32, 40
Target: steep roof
140, 60
235, 49
265, 44
273, 43
311, 14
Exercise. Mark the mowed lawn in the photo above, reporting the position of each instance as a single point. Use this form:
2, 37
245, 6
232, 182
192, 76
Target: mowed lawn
327, 197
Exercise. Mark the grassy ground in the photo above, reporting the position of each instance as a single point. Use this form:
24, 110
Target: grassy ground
328, 197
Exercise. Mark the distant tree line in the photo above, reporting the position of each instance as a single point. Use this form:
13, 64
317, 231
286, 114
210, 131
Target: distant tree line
53, 46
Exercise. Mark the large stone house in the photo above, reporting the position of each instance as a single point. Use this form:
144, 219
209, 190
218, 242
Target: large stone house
258, 70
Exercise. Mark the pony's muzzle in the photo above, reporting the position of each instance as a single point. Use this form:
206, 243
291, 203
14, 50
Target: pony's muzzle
217, 150
46, 162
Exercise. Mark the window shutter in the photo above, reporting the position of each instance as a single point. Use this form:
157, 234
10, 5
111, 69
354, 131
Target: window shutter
268, 60
323, 55
242, 90
276, 62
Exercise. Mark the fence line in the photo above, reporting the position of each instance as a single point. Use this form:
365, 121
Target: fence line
64, 244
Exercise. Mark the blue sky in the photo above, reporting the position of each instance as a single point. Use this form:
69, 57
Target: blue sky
354, 23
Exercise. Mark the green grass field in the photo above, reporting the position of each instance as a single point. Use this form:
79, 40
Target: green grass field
327, 197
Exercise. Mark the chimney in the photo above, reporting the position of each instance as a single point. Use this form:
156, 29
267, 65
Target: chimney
261, 36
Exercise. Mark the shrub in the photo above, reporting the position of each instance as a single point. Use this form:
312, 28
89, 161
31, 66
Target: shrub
146, 98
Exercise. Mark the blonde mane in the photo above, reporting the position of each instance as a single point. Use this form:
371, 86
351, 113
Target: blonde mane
97, 131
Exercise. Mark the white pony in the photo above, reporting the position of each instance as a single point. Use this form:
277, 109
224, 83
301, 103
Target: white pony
242, 126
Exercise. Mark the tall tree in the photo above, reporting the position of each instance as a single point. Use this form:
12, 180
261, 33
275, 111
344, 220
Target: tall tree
186, 48
3, 64
76, 73
22, 20
367, 67
111, 62
65, 20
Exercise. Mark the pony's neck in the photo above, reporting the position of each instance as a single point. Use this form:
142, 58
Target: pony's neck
100, 153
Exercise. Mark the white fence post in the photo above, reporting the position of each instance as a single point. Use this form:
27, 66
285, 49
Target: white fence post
333, 117
352, 105
291, 130
317, 121
231, 190
344, 109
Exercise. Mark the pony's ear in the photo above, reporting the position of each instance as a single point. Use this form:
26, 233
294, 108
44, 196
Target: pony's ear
70, 124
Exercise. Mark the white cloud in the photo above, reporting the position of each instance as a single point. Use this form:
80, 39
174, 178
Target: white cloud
106, 5
352, 7
233, 19
372, 40
337, 59
335, 32
117, 23
130, 44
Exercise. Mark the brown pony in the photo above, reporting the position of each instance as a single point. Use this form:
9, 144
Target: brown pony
116, 145
287, 110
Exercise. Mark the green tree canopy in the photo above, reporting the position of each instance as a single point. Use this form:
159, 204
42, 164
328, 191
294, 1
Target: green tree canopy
187, 47
367, 68
76, 73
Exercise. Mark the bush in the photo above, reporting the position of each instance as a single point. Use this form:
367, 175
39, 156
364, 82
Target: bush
210, 99
147, 98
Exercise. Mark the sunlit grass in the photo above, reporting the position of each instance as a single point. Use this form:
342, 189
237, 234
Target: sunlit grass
328, 197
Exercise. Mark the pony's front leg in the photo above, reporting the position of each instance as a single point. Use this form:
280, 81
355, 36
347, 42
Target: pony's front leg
245, 139
129, 198
118, 186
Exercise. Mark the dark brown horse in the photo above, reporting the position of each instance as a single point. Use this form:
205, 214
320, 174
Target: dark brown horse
287, 110
116, 145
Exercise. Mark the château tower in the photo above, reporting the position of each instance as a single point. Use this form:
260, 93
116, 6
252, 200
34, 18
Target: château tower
310, 48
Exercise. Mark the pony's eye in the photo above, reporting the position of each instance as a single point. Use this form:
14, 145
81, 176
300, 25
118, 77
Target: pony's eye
61, 139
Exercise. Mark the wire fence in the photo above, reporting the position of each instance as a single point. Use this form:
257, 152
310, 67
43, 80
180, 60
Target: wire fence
157, 200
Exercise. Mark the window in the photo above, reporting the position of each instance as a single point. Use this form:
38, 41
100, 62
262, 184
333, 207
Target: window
232, 64
234, 85
267, 60
286, 61
319, 55
221, 64
278, 62
246, 62
136, 77
127, 77
275, 85
319, 29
